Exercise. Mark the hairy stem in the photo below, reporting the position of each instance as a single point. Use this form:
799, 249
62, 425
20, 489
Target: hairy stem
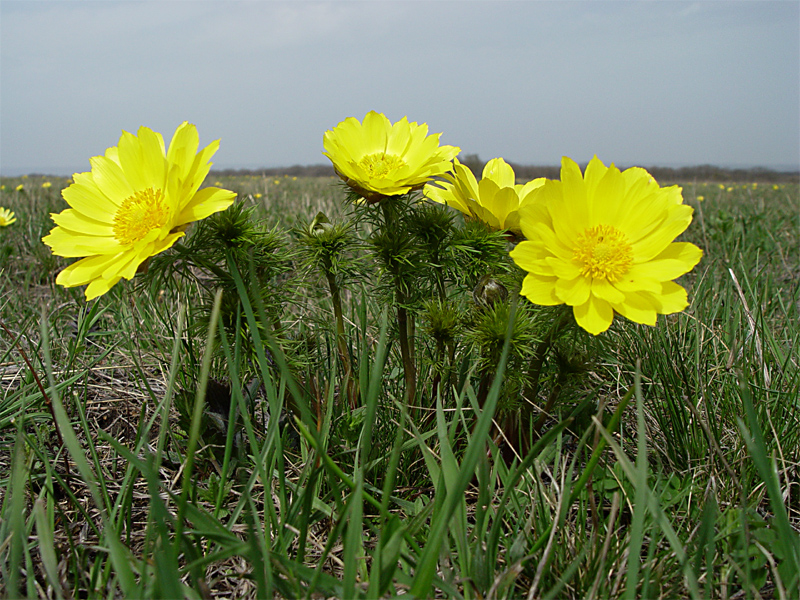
350, 387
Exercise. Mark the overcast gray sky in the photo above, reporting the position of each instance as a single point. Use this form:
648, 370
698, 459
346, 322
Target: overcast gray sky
645, 83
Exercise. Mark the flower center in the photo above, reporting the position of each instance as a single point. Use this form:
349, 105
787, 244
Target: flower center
603, 252
140, 214
379, 165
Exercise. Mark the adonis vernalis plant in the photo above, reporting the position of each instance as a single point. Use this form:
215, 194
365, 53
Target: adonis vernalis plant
602, 242
7, 217
378, 159
136, 202
495, 200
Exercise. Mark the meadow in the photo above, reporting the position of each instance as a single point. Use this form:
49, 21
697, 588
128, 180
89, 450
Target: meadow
168, 440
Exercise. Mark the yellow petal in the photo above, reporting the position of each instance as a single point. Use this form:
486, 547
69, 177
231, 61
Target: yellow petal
183, 148
69, 243
204, 203
594, 315
85, 197
688, 255
85, 270
80, 223
110, 179
563, 269
574, 291
672, 298
526, 253
601, 288
540, 290
638, 307
98, 287
677, 220
500, 172
606, 197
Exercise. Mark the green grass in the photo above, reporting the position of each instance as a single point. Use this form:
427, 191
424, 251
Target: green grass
183, 444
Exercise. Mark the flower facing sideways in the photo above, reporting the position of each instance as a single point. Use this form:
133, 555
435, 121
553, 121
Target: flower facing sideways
602, 242
495, 200
6, 217
378, 159
137, 201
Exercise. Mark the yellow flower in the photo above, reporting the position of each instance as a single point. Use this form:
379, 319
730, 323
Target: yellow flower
602, 243
277, 181
378, 159
495, 200
701, 198
46, 184
20, 187
137, 201
258, 195
6, 217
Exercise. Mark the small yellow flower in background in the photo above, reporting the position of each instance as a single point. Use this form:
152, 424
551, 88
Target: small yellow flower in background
137, 201
730, 189
24, 177
2, 187
46, 184
378, 159
755, 185
294, 178
722, 186
257, 195
277, 181
775, 186
495, 200
602, 242
6, 217
701, 198
20, 187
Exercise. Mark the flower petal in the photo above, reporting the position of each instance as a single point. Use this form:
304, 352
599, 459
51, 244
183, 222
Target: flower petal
638, 307
594, 315
671, 299
540, 290
575, 291
601, 288
204, 203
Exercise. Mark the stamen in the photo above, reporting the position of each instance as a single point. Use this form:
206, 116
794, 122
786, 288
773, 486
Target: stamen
379, 165
140, 214
603, 252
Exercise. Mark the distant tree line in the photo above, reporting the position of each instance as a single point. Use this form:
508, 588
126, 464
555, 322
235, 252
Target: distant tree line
704, 173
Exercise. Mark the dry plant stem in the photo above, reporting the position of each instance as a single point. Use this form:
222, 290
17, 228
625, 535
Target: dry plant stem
44, 394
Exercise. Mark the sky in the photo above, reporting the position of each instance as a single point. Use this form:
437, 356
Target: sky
658, 83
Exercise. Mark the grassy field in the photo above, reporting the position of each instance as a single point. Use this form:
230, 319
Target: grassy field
170, 441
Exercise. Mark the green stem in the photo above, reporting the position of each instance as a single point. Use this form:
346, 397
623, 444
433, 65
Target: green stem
537, 362
519, 430
551, 400
350, 387
404, 324
409, 369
